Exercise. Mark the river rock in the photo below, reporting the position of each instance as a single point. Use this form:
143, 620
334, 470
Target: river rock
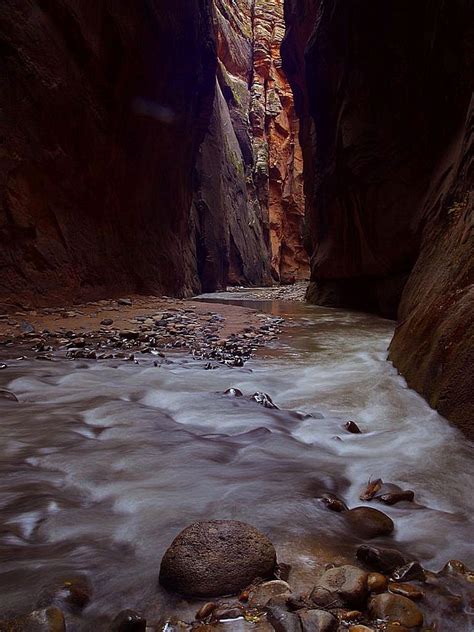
128, 621
411, 571
360, 628
107, 322
352, 427
318, 621
377, 583
73, 594
396, 609
368, 522
380, 559
333, 503
396, 497
283, 621
264, 400
233, 392
406, 590
261, 594
45, 620
344, 585
8, 396
219, 557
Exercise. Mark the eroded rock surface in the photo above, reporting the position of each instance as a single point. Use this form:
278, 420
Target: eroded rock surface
219, 557
384, 96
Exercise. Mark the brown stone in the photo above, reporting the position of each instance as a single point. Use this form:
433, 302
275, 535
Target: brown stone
377, 583
214, 558
73, 594
47, 620
368, 522
317, 621
263, 593
380, 558
406, 590
395, 608
343, 585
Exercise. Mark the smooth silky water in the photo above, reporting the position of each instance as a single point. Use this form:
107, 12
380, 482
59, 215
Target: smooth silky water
103, 463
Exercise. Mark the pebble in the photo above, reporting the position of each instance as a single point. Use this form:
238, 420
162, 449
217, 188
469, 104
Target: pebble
411, 571
371, 489
377, 583
3, 365
352, 427
333, 503
107, 322
396, 497
264, 400
396, 609
283, 621
7, 395
206, 610
341, 586
263, 593
124, 301
128, 621
406, 590
381, 559
318, 621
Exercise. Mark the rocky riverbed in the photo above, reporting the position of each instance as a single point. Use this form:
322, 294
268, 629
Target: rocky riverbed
135, 330
296, 453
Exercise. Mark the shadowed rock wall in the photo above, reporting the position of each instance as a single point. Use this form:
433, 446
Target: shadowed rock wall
103, 108
383, 92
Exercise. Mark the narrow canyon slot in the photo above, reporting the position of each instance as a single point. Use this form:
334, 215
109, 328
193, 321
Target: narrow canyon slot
236, 316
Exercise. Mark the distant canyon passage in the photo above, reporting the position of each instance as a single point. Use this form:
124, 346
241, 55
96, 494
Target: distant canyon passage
168, 148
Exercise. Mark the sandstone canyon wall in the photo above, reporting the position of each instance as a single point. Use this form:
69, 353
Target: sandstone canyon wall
383, 91
132, 159
250, 167
103, 108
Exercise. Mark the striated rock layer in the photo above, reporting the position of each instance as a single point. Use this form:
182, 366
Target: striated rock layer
103, 108
383, 92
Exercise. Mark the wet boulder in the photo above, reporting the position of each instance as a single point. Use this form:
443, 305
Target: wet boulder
264, 400
318, 621
381, 559
396, 609
128, 621
283, 621
341, 586
377, 583
45, 620
369, 523
409, 572
215, 558
263, 593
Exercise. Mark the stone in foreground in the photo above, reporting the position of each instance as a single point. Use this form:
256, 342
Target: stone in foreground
46, 620
368, 522
396, 609
341, 586
215, 558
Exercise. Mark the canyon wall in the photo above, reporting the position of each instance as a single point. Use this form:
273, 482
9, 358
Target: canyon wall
249, 177
383, 91
132, 159
103, 109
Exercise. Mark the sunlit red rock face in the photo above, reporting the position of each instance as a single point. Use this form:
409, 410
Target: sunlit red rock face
103, 108
383, 91
253, 142
278, 157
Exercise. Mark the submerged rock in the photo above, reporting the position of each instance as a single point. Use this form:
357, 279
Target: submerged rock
45, 620
8, 396
264, 400
128, 621
380, 559
318, 621
368, 522
371, 489
411, 571
219, 557
73, 594
283, 621
263, 593
333, 503
352, 427
396, 609
396, 497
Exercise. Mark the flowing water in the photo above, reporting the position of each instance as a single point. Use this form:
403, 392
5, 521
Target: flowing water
103, 463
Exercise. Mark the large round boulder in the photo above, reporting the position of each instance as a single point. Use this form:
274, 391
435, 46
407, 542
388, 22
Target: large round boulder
368, 522
215, 558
